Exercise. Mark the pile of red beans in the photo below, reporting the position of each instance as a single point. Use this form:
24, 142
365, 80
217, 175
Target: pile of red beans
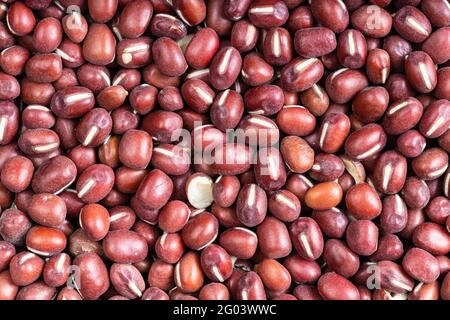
100, 199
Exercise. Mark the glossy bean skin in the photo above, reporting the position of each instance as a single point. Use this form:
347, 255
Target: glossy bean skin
9, 289
436, 12
385, 181
45, 241
274, 275
270, 173
372, 21
335, 287
323, 11
166, 25
95, 220
72, 102
412, 24
44, 68
196, 54
94, 128
14, 226
332, 222
239, 242
47, 35
140, 142
21, 19
277, 46
127, 280
434, 119
124, 246
251, 205
372, 138
164, 186
250, 287
393, 217
411, 143
414, 261
360, 108
435, 40
99, 46
26, 268
94, 279
276, 17
225, 68
390, 248
200, 231
362, 237
300, 74
352, 49
225, 190
239, 155
95, 183
416, 193
423, 233
135, 18
244, 35
8, 251
340, 258
378, 65
13, 60
160, 48
296, 120
424, 80
36, 291
188, 273
334, 130
10, 122
47, 209
307, 238
297, 154
266, 100
433, 169
216, 263
315, 99
344, 84
284, 205
162, 125
273, 238
223, 149
16, 173
323, 196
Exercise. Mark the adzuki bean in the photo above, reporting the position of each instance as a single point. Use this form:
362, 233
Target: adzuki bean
224, 149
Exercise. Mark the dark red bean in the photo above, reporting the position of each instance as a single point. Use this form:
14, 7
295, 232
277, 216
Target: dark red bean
200, 143
412, 24
225, 68
332, 14
161, 49
21, 19
124, 246
421, 265
99, 46
202, 48
268, 13
421, 71
135, 18
335, 287
362, 237
301, 74
93, 276
315, 42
